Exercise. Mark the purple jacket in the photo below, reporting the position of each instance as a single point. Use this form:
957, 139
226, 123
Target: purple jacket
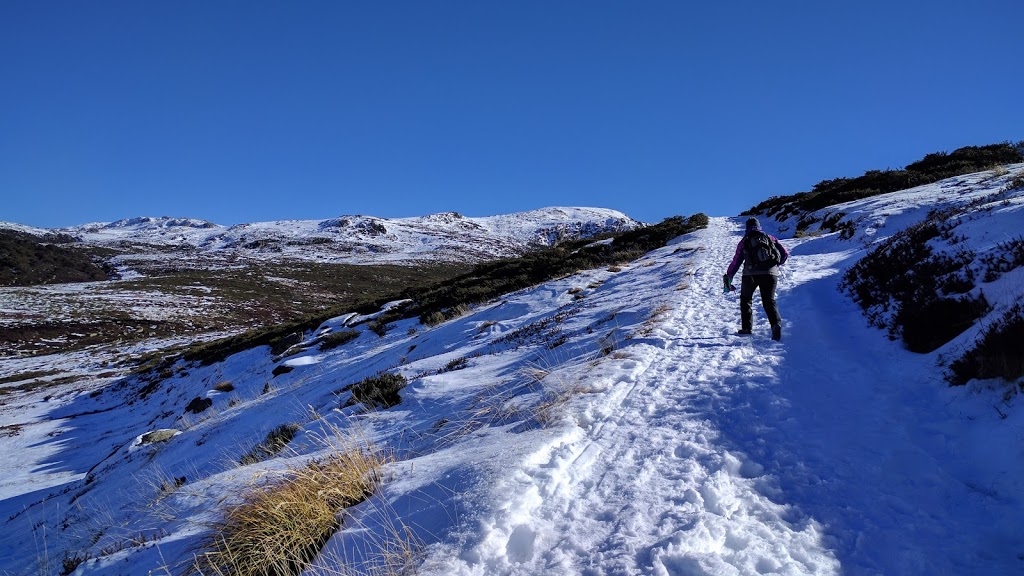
747, 269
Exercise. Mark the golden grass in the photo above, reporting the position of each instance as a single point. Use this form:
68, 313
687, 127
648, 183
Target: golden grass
277, 529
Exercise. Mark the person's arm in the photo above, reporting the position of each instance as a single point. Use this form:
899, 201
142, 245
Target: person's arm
737, 260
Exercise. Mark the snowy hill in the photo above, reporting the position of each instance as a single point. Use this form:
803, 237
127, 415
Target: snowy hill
447, 237
608, 422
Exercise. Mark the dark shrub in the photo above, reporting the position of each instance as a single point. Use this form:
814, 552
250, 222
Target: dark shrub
275, 441
282, 369
930, 324
380, 327
380, 391
198, 405
1017, 182
453, 365
999, 353
71, 562
1007, 256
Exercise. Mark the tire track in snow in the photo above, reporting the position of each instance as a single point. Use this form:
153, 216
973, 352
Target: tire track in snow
644, 485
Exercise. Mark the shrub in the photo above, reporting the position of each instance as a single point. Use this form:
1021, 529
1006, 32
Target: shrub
999, 353
335, 339
279, 528
197, 405
932, 323
433, 318
71, 562
224, 386
453, 365
1007, 256
379, 391
380, 327
275, 441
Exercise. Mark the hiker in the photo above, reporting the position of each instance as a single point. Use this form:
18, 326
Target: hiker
761, 255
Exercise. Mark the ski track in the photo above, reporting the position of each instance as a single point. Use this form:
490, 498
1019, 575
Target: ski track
707, 455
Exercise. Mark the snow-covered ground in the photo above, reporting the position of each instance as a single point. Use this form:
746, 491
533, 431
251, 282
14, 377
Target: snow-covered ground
606, 423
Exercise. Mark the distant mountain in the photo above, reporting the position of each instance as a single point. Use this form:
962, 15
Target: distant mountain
444, 237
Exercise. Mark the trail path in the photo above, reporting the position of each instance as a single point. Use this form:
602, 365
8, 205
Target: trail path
712, 453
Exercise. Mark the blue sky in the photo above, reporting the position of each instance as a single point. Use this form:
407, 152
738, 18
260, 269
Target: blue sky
247, 111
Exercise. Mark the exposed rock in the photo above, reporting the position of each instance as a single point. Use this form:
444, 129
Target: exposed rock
161, 435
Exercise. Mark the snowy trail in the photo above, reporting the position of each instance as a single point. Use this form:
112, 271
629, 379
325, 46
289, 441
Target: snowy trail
647, 485
711, 453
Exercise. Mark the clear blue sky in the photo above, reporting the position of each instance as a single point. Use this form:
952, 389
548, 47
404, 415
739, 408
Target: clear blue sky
264, 110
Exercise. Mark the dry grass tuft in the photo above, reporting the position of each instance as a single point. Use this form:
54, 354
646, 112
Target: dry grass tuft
549, 411
277, 529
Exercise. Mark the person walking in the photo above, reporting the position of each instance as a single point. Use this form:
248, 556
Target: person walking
760, 254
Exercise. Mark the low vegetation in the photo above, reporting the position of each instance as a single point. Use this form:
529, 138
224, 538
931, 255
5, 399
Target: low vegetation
240, 300
339, 338
275, 441
1007, 256
379, 391
999, 353
26, 260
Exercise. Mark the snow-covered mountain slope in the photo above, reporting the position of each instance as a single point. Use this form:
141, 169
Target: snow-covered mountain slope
609, 422
447, 237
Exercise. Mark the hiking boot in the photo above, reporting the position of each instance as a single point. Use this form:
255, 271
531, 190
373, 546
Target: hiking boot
744, 332
776, 332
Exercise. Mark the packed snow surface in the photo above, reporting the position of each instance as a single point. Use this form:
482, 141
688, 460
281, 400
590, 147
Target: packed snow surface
606, 423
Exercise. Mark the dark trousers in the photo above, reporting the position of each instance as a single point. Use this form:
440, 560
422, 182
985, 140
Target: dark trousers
767, 284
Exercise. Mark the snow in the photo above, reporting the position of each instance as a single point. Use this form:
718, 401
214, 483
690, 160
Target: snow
627, 431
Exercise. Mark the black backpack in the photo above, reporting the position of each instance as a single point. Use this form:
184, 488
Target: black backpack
761, 251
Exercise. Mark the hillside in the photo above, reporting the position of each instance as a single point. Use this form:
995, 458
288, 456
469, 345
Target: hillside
608, 421
27, 259
932, 168
180, 280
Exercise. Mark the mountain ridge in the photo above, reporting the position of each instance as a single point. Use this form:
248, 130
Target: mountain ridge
146, 243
